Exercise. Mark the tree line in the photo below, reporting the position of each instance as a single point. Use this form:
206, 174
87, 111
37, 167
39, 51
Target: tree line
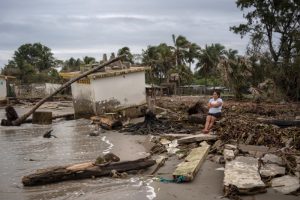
272, 54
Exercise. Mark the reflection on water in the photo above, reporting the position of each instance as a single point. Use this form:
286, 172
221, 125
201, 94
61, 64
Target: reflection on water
23, 150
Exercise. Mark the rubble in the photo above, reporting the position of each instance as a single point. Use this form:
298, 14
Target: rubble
228, 154
286, 184
271, 170
153, 125
272, 159
242, 172
254, 150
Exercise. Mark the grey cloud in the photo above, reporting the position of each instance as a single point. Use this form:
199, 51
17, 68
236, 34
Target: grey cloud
77, 28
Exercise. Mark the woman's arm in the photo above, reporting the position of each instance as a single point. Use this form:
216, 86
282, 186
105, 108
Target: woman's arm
218, 104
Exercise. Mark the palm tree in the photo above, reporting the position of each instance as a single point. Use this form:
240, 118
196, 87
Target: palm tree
181, 46
208, 60
160, 58
192, 53
128, 56
236, 73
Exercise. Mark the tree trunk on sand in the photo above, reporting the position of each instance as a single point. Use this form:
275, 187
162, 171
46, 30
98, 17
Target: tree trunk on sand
20, 120
82, 171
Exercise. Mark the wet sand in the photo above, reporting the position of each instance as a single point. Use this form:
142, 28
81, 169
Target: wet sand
23, 150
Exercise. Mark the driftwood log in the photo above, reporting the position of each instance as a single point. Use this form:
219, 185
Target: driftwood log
82, 171
21, 119
280, 123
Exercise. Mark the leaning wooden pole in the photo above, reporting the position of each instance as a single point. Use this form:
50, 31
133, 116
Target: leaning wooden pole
21, 119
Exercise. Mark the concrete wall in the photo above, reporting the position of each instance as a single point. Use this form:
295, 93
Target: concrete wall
125, 90
51, 87
83, 99
35, 90
3, 90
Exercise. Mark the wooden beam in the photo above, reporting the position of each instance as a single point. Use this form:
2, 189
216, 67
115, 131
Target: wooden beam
82, 171
188, 169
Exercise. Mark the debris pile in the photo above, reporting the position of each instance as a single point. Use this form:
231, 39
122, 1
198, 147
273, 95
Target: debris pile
155, 126
257, 154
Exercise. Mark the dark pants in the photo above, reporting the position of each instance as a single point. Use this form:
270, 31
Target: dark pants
216, 115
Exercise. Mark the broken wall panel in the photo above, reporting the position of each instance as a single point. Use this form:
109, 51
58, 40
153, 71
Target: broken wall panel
243, 174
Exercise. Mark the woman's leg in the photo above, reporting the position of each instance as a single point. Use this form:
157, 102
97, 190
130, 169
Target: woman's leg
208, 119
211, 122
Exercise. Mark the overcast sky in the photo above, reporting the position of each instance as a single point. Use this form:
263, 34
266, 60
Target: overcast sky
93, 27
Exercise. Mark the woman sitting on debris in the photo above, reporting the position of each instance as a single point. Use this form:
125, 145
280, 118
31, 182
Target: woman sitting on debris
215, 107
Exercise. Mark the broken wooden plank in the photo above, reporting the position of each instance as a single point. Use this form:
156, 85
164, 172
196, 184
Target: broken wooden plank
243, 174
159, 163
174, 135
107, 122
42, 117
82, 171
192, 163
197, 138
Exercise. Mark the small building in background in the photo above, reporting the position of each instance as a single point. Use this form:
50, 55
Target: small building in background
3, 88
111, 89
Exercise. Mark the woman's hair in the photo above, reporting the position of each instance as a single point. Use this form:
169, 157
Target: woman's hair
218, 92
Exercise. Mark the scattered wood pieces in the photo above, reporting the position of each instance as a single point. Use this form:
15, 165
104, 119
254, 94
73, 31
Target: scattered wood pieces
107, 123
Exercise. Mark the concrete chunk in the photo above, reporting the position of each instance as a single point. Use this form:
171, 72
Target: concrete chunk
268, 170
254, 150
272, 159
192, 163
243, 173
230, 147
228, 154
196, 138
286, 184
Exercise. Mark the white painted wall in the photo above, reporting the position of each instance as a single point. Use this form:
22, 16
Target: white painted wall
82, 91
128, 89
83, 99
3, 91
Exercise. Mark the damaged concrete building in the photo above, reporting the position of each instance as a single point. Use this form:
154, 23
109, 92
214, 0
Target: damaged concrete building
108, 90
4, 86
